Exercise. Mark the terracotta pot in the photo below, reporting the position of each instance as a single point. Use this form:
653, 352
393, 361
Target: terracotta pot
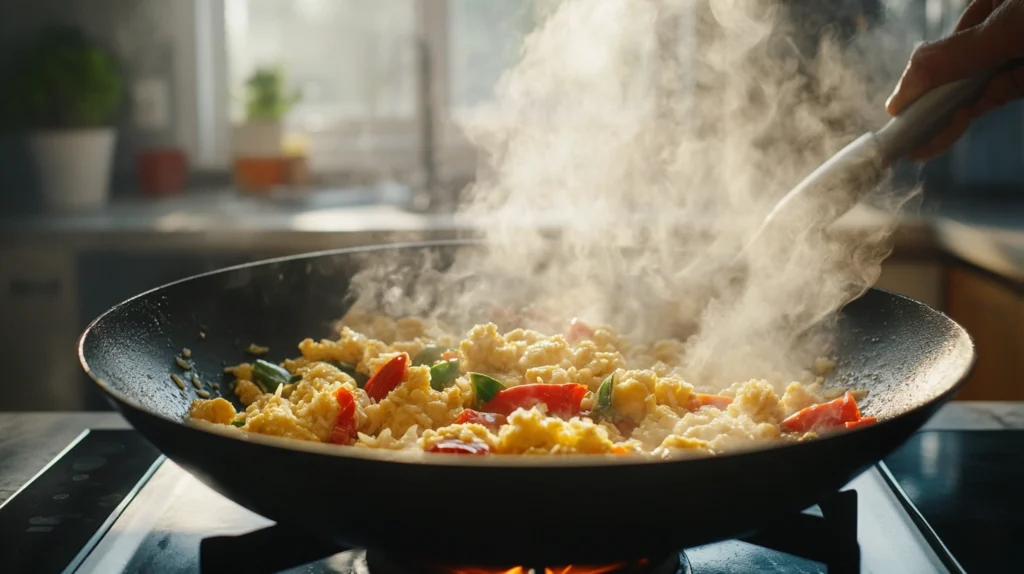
259, 159
260, 173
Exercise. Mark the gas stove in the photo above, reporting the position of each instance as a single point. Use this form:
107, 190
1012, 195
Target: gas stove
111, 503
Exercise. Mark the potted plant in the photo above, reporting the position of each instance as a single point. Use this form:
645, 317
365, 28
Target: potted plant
258, 141
65, 91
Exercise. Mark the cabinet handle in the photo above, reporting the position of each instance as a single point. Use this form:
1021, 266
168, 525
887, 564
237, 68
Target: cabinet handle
34, 287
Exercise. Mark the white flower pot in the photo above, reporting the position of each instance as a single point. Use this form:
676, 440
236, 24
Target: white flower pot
74, 166
258, 140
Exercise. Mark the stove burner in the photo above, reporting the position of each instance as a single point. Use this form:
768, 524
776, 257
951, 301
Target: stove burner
830, 539
673, 564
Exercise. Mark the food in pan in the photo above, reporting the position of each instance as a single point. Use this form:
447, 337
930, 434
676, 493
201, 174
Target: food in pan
411, 384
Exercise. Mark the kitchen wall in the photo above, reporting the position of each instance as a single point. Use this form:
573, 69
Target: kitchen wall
155, 40
988, 161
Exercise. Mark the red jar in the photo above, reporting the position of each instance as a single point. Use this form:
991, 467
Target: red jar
161, 171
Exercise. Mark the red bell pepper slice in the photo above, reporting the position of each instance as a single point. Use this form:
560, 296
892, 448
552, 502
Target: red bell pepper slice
701, 400
449, 355
562, 400
863, 422
454, 446
345, 425
387, 378
492, 421
824, 416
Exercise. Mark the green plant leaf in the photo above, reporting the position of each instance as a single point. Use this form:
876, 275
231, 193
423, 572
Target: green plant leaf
63, 79
267, 98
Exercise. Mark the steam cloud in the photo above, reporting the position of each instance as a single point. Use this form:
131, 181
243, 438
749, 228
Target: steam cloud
655, 136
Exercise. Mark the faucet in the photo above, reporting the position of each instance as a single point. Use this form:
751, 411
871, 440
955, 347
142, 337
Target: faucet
427, 195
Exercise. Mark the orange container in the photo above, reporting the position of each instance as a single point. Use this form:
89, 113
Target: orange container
260, 173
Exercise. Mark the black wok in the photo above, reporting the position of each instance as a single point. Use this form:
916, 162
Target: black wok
491, 510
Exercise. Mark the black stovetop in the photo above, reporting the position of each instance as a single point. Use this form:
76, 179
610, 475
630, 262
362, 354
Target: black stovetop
111, 503
969, 486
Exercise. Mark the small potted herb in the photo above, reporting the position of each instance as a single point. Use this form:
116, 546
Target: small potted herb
259, 140
65, 90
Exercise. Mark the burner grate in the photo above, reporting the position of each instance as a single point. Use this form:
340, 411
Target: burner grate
829, 539
247, 552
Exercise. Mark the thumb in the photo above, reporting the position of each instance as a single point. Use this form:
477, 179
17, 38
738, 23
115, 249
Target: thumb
952, 58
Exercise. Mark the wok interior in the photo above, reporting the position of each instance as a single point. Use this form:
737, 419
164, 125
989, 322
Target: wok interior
902, 352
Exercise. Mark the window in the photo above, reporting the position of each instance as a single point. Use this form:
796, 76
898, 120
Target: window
353, 59
357, 64
485, 39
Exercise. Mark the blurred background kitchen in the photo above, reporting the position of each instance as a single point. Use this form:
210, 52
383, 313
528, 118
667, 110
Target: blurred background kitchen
149, 140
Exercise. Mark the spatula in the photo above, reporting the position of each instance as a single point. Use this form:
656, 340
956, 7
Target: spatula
841, 182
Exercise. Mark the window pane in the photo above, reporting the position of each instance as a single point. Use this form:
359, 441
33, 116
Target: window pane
485, 40
352, 58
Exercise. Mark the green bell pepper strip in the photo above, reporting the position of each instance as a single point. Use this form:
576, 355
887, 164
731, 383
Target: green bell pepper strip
443, 374
271, 375
485, 388
603, 400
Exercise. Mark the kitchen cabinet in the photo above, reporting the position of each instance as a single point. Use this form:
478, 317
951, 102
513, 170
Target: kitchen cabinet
920, 279
39, 329
47, 297
992, 310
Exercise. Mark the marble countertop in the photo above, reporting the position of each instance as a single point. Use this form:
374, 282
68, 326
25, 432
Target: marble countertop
28, 441
987, 233
213, 219
218, 219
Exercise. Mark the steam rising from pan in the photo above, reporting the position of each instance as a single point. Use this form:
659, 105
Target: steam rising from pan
656, 135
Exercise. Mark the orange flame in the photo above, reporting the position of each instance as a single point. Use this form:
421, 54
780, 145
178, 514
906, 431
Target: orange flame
516, 570
586, 569
621, 567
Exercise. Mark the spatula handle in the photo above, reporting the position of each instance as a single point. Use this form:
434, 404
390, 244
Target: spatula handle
929, 115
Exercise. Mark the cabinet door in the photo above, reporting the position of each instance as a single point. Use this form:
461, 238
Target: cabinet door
919, 280
992, 311
38, 331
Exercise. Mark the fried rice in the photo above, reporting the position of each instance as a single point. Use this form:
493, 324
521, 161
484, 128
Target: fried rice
584, 391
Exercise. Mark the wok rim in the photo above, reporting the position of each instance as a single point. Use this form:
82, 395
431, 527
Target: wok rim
123, 401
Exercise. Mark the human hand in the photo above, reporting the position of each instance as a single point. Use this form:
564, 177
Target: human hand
988, 34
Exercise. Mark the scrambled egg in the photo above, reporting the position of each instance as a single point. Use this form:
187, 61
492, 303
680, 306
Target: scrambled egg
217, 411
414, 403
652, 410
